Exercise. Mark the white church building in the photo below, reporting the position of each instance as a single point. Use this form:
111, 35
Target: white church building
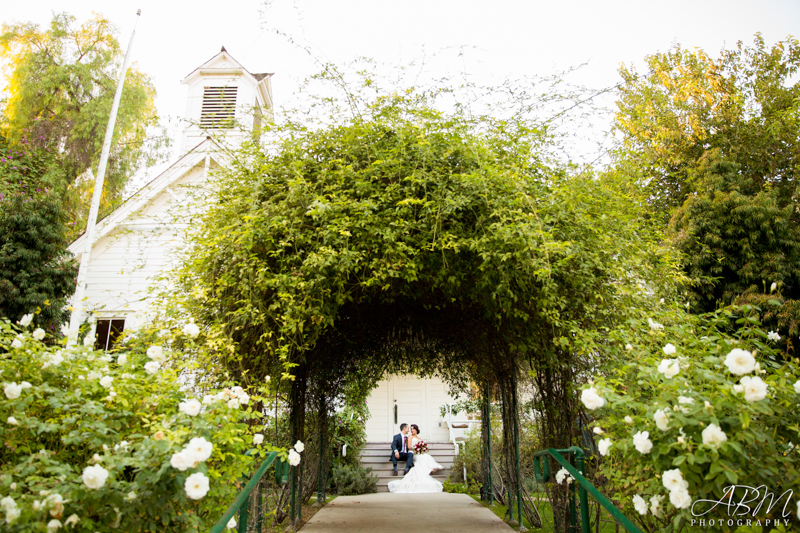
134, 244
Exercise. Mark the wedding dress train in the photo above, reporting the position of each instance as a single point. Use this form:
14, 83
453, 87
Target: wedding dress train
418, 479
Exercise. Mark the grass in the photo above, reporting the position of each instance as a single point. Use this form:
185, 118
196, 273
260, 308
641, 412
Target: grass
546, 513
306, 513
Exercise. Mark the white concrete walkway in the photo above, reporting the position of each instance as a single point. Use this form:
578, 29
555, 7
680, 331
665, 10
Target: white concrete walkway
432, 513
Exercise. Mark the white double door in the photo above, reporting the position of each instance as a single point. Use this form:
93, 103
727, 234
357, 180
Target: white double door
410, 400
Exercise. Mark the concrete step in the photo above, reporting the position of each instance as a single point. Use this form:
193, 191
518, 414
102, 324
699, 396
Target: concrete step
387, 453
375, 455
388, 445
386, 466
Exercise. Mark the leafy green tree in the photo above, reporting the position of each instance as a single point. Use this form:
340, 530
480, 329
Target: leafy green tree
745, 104
736, 236
61, 84
717, 143
36, 271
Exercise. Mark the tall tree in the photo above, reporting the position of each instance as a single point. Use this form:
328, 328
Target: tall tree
744, 104
717, 144
61, 84
37, 274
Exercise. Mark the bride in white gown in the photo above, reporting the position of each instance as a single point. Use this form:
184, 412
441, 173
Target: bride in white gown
418, 478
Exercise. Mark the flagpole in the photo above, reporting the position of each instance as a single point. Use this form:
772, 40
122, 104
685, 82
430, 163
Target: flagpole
80, 289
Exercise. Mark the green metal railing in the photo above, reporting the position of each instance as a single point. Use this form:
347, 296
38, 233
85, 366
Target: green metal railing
240, 504
542, 472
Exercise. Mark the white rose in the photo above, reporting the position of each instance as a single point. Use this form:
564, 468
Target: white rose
156, 353
65, 329
773, 287
54, 359
190, 407
669, 349
642, 442
773, 336
684, 399
152, 367
208, 399
655, 326
95, 476
71, 521
12, 421
797, 386
294, 458
680, 498
629, 347
88, 340
669, 367
233, 403
25, 321
123, 444
754, 388
591, 399
244, 398
12, 514
740, 362
106, 381
16, 343
196, 486
673, 480
191, 330
640, 505
199, 449
628, 420
231, 523
7, 503
38, 334
258, 438
122, 359
561, 475
598, 430
655, 505
713, 435
181, 460
662, 419
13, 391
604, 445
53, 525
299, 446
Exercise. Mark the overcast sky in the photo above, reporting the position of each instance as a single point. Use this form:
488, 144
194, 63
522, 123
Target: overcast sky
499, 39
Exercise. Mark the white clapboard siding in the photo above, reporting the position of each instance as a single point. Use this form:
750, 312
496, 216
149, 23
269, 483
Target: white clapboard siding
128, 257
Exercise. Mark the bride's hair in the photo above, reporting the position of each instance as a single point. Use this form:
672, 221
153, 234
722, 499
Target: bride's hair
416, 427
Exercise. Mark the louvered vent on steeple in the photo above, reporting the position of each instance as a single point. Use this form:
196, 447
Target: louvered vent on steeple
219, 107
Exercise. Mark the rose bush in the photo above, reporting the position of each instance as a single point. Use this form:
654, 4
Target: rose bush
722, 411
97, 442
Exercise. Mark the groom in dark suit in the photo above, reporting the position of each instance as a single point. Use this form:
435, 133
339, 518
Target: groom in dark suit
400, 450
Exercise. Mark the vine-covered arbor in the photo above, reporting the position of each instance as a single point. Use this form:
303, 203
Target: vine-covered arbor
413, 241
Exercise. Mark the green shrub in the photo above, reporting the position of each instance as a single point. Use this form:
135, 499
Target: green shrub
91, 438
690, 410
462, 488
348, 479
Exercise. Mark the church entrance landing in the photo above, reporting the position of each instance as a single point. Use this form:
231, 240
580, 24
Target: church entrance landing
432, 513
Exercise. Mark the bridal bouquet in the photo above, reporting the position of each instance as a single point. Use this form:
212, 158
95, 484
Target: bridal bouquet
420, 447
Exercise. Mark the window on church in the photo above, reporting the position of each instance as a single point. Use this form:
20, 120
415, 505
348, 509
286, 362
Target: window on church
219, 107
108, 331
